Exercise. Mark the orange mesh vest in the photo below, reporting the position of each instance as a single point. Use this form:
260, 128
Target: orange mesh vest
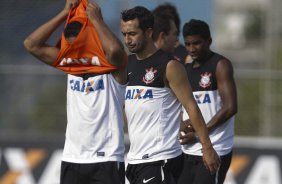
85, 54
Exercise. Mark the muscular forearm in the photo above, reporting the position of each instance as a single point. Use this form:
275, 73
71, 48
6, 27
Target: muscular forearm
36, 44
221, 117
41, 35
110, 43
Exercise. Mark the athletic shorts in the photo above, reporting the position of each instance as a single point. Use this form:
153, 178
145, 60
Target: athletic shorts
159, 172
94, 173
195, 172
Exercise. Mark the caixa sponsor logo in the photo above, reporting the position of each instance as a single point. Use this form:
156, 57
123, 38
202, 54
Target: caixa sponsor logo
86, 86
138, 94
82, 61
202, 98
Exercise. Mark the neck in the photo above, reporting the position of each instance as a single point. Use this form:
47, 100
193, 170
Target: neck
204, 58
177, 44
158, 43
149, 50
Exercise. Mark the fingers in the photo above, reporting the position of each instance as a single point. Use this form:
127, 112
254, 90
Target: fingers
182, 138
211, 159
93, 11
185, 138
71, 4
94, 5
213, 166
75, 3
186, 126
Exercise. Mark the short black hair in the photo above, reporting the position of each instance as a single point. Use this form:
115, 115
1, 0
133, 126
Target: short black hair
144, 16
196, 27
162, 24
172, 11
72, 29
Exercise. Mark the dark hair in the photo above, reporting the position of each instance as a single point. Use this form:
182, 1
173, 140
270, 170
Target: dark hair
196, 27
161, 24
171, 10
72, 29
144, 16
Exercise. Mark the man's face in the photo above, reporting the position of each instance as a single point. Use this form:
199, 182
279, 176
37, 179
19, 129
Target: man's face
170, 39
133, 36
197, 47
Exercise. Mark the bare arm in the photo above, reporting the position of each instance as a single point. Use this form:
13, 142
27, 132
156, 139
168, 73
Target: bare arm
227, 91
180, 86
112, 46
35, 43
110, 43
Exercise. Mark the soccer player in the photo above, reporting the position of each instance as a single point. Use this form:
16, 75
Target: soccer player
166, 8
94, 147
157, 86
211, 78
164, 32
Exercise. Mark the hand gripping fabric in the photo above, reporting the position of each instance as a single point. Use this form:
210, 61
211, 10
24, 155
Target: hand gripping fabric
85, 54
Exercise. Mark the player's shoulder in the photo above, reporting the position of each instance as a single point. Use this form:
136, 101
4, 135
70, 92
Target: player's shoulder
220, 60
224, 62
174, 66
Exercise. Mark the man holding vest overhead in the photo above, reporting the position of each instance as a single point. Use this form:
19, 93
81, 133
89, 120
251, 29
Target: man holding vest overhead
94, 60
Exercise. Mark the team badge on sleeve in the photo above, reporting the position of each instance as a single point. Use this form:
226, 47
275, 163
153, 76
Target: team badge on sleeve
205, 80
149, 76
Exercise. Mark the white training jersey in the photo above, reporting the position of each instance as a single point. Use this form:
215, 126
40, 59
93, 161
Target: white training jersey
204, 85
152, 110
95, 120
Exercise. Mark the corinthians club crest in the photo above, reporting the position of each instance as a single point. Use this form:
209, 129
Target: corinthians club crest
149, 76
205, 80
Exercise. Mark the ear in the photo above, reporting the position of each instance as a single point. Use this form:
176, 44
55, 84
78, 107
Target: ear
162, 35
210, 41
149, 32
161, 39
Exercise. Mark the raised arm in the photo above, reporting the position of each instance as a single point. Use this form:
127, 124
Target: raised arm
178, 81
112, 47
36, 44
227, 91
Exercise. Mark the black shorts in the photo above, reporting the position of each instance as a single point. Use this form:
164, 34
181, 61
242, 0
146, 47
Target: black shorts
195, 172
159, 172
94, 173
